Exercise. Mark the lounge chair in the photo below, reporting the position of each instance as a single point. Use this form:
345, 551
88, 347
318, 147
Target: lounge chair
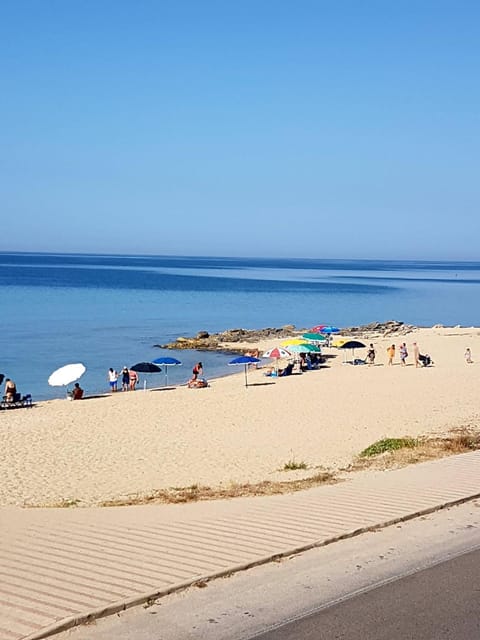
18, 402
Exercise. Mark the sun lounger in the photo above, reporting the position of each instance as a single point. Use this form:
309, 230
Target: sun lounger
18, 402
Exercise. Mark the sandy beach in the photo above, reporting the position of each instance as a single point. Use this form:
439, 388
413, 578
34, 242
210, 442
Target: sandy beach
133, 443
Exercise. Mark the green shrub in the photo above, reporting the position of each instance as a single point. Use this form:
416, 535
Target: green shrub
388, 444
293, 465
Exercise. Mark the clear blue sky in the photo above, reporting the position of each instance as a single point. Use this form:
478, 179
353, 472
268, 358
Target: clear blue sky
304, 128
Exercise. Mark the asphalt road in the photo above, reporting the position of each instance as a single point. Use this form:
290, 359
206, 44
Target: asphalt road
442, 602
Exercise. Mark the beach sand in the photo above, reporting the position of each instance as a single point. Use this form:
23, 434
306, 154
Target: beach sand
128, 443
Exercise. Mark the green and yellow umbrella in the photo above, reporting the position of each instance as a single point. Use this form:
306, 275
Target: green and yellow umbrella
290, 341
314, 337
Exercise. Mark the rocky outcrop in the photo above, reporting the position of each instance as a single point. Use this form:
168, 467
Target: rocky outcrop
225, 341
380, 329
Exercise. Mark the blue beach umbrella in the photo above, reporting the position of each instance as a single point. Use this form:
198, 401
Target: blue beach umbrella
166, 362
245, 360
330, 330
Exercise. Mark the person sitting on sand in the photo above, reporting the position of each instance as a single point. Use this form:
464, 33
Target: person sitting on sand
10, 390
302, 362
77, 393
287, 371
198, 383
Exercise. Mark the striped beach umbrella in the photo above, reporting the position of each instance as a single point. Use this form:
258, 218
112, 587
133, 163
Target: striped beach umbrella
277, 353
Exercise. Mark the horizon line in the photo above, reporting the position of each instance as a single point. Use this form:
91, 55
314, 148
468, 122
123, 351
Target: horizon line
226, 257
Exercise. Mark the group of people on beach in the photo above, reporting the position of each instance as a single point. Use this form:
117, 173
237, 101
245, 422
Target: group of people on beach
197, 381
129, 379
403, 354
419, 360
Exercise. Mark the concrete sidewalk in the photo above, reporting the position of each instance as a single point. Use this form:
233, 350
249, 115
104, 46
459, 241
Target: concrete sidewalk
60, 567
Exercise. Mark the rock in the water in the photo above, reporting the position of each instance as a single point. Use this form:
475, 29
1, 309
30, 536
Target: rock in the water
224, 340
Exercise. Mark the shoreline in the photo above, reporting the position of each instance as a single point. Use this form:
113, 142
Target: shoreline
116, 445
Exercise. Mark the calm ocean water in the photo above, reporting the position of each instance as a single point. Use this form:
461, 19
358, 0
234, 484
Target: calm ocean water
110, 310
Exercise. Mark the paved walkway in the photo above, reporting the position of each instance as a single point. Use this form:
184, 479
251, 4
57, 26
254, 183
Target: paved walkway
59, 567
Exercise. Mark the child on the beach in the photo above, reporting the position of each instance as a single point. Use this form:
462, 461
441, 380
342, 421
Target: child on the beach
371, 355
468, 356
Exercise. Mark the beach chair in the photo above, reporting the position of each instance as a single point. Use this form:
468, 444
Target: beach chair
27, 401
18, 402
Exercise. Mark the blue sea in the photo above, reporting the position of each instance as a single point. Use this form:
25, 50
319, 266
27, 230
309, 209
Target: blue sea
109, 311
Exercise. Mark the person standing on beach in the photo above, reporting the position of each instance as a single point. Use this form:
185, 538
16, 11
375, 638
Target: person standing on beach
197, 370
416, 354
112, 377
125, 378
390, 354
403, 353
371, 355
133, 379
468, 356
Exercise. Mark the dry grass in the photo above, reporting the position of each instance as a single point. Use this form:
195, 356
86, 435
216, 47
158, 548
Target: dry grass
413, 451
196, 493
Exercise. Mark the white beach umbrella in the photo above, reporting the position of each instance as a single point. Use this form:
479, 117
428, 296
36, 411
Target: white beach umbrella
67, 374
